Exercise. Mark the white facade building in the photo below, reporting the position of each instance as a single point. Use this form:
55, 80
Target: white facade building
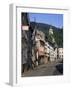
47, 47
51, 53
55, 53
60, 53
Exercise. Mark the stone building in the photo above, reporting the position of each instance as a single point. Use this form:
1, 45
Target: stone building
38, 38
41, 48
44, 51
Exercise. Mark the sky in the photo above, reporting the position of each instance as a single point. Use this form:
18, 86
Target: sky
52, 19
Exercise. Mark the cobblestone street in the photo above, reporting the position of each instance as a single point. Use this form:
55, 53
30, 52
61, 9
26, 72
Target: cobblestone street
52, 68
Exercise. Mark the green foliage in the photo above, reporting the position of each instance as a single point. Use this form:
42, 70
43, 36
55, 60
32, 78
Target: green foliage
58, 33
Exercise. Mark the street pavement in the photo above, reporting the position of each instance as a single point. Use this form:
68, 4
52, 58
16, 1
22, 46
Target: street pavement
50, 69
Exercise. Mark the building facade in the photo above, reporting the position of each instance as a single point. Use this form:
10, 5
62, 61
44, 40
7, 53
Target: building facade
60, 53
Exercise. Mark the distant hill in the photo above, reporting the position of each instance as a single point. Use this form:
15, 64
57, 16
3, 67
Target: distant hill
58, 32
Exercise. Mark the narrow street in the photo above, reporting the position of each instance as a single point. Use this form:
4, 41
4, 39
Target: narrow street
46, 70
